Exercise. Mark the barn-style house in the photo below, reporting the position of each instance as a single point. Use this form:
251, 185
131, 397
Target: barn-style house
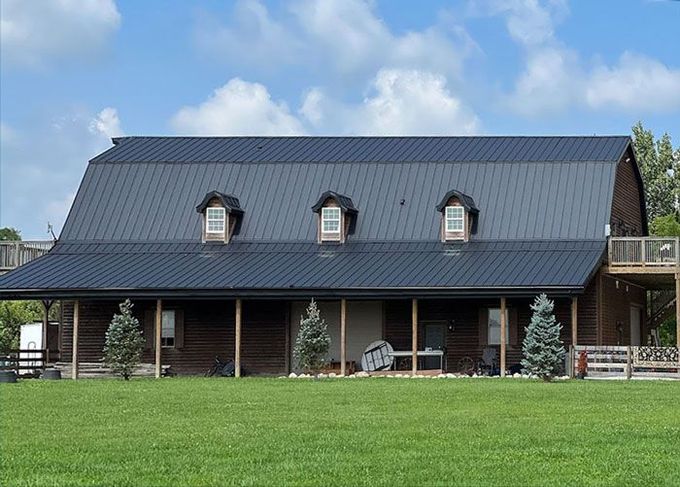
433, 244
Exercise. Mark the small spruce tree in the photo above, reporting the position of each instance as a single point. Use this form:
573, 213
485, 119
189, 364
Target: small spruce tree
543, 350
124, 342
312, 341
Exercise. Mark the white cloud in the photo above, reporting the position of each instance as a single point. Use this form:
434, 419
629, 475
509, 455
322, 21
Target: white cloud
637, 83
555, 78
237, 108
50, 170
34, 32
336, 36
401, 102
107, 123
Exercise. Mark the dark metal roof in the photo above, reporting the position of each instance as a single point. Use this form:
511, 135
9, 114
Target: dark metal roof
543, 201
345, 202
230, 203
365, 149
517, 200
290, 269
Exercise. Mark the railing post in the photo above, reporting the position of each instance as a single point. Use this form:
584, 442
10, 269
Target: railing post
629, 362
17, 261
677, 251
643, 253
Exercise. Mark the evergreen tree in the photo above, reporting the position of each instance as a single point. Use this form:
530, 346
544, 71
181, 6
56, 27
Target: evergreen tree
312, 341
543, 350
124, 342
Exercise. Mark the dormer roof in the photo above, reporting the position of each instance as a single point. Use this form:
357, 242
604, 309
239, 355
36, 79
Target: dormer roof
229, 202
345, 202
464, 199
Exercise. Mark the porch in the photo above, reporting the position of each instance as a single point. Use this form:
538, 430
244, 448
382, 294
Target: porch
259, 335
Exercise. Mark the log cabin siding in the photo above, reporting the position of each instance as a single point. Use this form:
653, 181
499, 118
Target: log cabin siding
208, 332
465, 341
626, 213
616, 307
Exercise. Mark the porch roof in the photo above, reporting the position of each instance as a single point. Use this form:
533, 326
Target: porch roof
355, 269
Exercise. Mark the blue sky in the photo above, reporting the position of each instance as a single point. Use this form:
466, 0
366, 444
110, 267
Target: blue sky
75, 73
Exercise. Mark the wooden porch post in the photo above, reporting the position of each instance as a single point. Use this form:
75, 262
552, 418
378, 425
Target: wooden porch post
74, 358
343, 336
503, 337
47, 304
414, 336
574, 335
237, 340
157, 336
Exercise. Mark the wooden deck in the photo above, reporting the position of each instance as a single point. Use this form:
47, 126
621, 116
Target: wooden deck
16, 253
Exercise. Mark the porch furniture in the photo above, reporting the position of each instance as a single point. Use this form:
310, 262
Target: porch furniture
420, 353
334, 367
377, 356
489, 360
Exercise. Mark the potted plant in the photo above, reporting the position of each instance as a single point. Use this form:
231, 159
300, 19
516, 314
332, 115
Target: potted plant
582, 365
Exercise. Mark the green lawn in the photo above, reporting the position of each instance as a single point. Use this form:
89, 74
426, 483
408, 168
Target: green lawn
381, 431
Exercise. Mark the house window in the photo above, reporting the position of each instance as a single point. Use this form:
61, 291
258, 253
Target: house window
455, 219
215, 220
495, 326
168, 329
330, 221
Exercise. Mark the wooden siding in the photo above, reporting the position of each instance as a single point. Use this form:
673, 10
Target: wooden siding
208, 332
626, 214
616, 304
467, 339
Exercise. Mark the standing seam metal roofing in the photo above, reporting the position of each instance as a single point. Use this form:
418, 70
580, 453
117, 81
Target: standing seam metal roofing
543, 205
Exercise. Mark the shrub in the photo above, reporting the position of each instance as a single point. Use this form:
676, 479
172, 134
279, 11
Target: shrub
124, 342
313, 340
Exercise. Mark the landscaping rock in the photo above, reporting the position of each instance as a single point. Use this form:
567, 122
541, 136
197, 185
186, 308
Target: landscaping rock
292, 375
450, 376
362, 374
517, 375
322, 376
332, 375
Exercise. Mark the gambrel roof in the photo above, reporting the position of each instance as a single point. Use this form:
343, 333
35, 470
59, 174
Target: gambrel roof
543, 203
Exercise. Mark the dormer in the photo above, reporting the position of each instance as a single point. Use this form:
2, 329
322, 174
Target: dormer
336, 217
459, 217
221, 217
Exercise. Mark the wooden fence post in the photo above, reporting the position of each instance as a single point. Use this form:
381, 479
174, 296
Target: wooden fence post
629, 362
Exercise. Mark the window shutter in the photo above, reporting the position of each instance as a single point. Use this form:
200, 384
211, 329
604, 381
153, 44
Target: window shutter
179, 328
149, 321
514, 326
483, 326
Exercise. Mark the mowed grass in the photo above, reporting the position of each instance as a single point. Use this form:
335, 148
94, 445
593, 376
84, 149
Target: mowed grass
380, 431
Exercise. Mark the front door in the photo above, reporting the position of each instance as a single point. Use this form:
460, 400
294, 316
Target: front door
635, 312
435, 339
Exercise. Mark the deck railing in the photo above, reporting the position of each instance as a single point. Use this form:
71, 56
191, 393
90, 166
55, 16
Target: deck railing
16, 253
644, 251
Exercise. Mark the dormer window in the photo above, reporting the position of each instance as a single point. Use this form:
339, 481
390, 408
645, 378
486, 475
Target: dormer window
221, 217
336, 217
459, 216
330, 223
215, 219
455, 219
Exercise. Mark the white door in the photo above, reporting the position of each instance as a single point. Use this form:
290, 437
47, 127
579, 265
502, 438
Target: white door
635, 313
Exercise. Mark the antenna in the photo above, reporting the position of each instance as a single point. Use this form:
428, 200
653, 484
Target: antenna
50, 230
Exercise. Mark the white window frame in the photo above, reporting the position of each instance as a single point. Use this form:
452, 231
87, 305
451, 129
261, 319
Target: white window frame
168, 340
221, 219
450, 219
325, 218
497, 341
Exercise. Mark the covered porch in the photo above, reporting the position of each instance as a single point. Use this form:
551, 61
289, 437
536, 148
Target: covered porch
427, 334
